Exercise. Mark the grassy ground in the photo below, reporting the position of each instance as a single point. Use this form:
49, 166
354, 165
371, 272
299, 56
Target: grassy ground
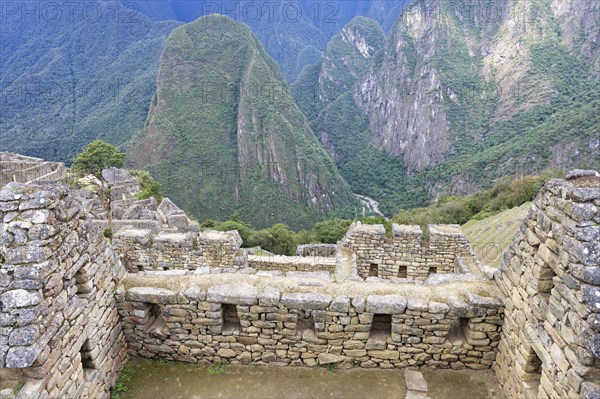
154, 379
490, 237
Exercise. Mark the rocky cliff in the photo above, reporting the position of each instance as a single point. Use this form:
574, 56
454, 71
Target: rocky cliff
462, 90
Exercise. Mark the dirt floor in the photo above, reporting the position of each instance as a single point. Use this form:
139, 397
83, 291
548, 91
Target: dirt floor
155, 379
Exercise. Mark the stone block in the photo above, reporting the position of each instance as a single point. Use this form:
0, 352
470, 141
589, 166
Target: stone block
384, 354
19, 298
269, 297
151, 295
386, 304
237, 294
306, 300
340, 304
330, 358
415, 381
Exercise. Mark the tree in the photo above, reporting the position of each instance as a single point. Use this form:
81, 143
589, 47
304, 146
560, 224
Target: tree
96, 157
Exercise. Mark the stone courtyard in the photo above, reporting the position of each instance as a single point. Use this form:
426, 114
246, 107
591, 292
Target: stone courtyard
75, 305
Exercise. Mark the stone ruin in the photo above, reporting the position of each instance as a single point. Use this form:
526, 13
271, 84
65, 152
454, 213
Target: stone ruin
75, 306
23, 169
130, 212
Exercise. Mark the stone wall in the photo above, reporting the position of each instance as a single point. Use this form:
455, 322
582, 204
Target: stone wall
287, 321
143, 249
23, 169
321, 250
550, 277
292, 263
59, 325
405, 254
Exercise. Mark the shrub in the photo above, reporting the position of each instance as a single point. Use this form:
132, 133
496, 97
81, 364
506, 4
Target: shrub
330, 231
149, 186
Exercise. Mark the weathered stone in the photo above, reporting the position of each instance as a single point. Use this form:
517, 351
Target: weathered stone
384, 354
484, 302
330, 358
306, 300
195, 294
19, 298
386, 304
32, 253
414, 381
24, 336
239, 294
151, 295
438, 308
341, 304
224, 352
417, 305
590, 390
589, 253
269, 297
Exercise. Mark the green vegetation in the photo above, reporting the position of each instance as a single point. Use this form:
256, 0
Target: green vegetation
459, 210
18, 387
97, 156
281, 239
64, 85
332, 368
491, 236
543, 113
217, 368
150, 187
121, 385
230, 137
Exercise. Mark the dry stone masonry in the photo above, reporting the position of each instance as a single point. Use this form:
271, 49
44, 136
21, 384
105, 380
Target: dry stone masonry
74, 306
307, 322
59, 326
23, 169
405, 254
550, 279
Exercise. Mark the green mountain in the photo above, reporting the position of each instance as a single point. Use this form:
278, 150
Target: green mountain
293, 33
64, 83
459, 95
224, 135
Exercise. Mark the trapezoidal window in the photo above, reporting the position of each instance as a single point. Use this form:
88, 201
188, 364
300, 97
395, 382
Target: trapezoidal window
546, 282
373, 270
83, 283
305, 321
381, 327
533, 373
231, 321
87, 361
403, 272
458, 328
157, 327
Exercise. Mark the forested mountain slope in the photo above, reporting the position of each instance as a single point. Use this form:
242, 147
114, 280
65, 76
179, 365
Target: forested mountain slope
460, 94
224, 135
67, 78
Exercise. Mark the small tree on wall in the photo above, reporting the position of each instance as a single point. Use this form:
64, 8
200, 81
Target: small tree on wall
96, 157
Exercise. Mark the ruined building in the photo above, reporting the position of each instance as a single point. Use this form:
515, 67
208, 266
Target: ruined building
74, 306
